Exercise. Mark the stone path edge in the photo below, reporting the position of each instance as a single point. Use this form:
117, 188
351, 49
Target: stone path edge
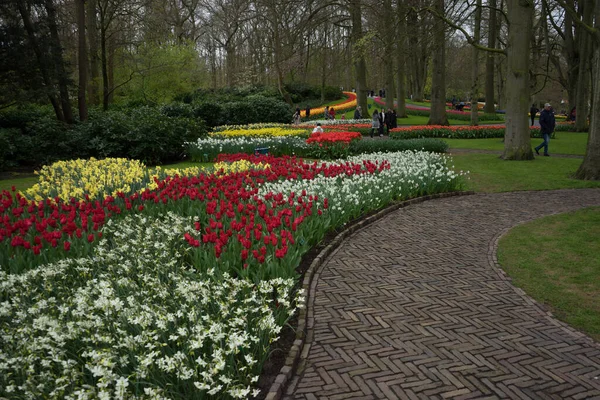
541, 308
300, 348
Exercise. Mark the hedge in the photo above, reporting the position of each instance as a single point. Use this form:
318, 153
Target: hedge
454, 132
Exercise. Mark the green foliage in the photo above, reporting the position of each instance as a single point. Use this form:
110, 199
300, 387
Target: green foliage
253, 109
32, 137
458, 116
156, 73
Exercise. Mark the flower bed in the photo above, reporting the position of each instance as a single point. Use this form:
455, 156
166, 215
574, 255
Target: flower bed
177, 291
261, 132
208, 149
452, 114
349, 103
325, 122
454, 132
249, 126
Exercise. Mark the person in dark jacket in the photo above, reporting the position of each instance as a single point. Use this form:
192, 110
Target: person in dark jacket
307, 111
547, 124
357, 113
394, 119
381, 122
532, 111
389, 121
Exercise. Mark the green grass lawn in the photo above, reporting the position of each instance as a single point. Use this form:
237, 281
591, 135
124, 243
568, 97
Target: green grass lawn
489, 173
555, 260
564, 143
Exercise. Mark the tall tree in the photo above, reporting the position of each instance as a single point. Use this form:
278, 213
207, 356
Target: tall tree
400, 58
388, 51
475, 66
82, 60
358, 55
92, 30
56, 51
42, 60
438, 115
517, 140
490, 58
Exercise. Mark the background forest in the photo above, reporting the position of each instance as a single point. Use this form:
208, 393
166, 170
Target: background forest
208, 62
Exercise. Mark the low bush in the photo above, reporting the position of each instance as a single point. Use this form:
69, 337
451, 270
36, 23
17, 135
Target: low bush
454, 132
34, 138
457, 115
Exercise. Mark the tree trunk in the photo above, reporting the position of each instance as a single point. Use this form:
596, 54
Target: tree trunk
56, 50
388, 56
360, 65
112, 49
590, 167
92, 28
400, 60
475, 66
490, 60
583, 78
230, 58
517, 140
82, 60
438, 115
49, 87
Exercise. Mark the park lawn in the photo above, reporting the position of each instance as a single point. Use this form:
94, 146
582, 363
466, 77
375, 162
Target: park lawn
564, 143
489, 173
555, 260
24, 183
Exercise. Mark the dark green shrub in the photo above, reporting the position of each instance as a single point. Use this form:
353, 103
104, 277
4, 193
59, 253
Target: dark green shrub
211, 112
178, 110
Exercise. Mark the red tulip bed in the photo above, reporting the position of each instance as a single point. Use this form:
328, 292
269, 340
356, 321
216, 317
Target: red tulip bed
178, 291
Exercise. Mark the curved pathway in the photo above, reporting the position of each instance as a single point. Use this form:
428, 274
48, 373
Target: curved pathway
414, 306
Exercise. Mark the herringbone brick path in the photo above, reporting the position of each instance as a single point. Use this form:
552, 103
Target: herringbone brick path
413, 307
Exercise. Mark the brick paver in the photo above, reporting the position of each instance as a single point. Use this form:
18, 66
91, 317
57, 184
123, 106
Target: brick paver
414, 307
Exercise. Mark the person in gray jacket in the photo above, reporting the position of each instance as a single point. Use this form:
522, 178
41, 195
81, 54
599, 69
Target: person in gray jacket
375, 123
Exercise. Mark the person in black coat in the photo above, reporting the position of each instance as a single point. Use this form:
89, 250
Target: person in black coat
394, 119
547, 124
381, 122
357, 113
389, 121
532, 111
307, 111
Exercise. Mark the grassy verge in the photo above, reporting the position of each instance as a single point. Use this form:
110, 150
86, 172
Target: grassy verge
564, 143
489, 173
555, 260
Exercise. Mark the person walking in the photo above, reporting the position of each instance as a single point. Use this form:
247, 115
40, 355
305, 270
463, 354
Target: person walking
357, 113
381, 122
375, 123
296, 117
532, 111
394, 119
547, 124
326, 112
307, 111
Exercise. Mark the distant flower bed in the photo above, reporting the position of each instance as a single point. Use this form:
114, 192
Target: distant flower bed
326, 122
453, 114
349, 103
454, 132
249, 126
259, 132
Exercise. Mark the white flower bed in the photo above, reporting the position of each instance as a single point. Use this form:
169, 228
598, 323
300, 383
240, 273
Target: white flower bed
135, 321
411, 174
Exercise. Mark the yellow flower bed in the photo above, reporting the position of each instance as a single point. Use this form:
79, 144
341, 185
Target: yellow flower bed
264, 132
99, 178
96, 178
351, 102
237, 166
